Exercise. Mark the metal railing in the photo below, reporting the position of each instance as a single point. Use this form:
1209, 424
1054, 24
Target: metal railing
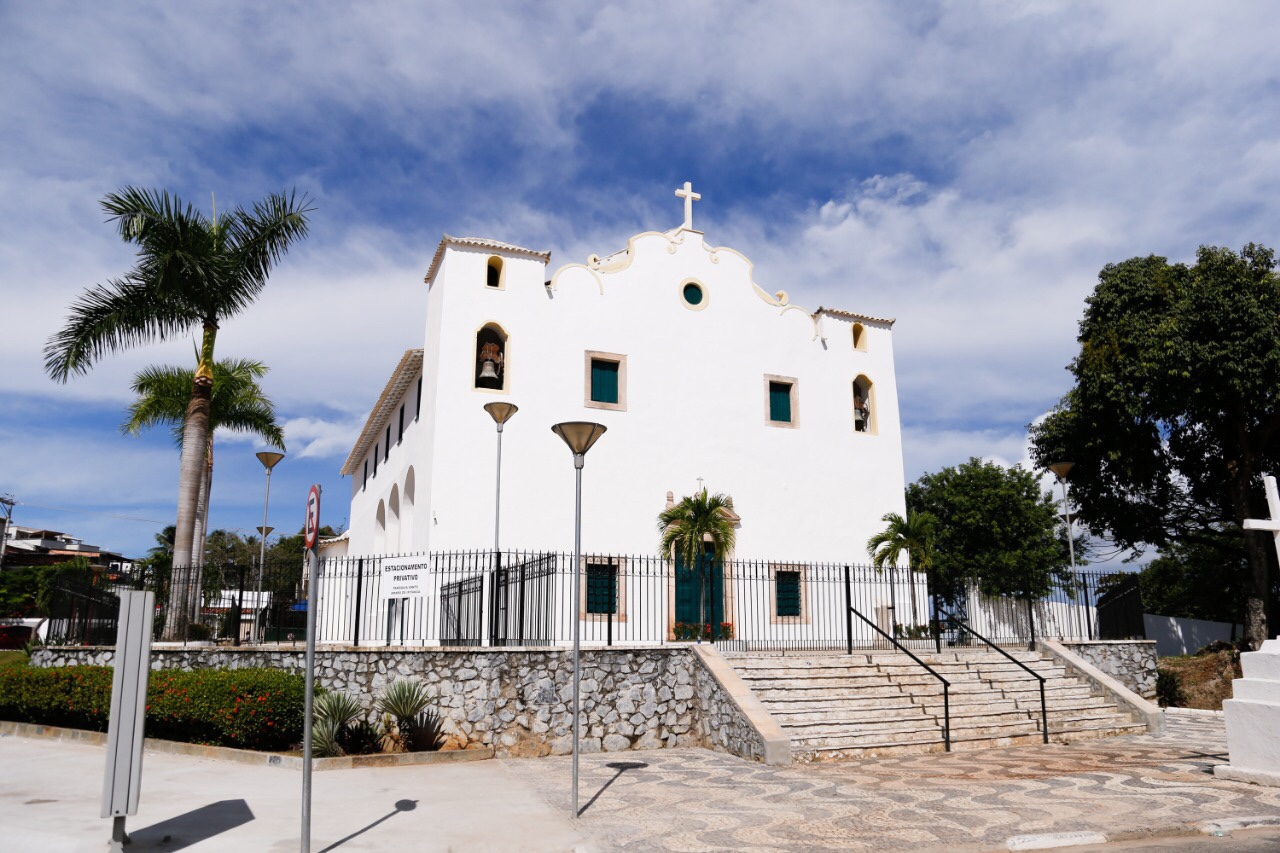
523, 598
946, 685
1044, 713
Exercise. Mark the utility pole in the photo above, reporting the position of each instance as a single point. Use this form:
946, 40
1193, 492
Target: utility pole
7, 502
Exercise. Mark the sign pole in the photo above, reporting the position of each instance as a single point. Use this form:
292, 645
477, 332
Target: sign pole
311, 533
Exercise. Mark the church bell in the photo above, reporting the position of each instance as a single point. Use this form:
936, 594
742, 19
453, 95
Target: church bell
488, 370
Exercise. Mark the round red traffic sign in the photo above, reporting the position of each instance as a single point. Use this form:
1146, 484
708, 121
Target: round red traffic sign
311, 527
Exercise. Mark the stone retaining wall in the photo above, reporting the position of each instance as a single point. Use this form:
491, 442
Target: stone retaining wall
517, 701
1131, 662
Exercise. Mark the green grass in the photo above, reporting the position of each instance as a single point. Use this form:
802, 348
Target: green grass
13, 658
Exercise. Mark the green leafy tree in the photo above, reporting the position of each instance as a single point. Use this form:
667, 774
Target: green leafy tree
995, 526
193, 272
1175, 412
1196, 581
912, 536
236, 403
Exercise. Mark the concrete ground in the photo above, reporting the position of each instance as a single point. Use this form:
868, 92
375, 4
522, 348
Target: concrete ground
1141, 792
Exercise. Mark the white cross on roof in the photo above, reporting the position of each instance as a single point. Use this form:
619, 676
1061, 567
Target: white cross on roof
689, 197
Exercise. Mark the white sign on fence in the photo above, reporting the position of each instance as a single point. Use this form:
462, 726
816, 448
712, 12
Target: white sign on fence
405, 577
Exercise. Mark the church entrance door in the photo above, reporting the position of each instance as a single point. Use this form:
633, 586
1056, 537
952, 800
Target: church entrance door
700, 594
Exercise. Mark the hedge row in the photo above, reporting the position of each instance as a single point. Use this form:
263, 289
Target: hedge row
245, 708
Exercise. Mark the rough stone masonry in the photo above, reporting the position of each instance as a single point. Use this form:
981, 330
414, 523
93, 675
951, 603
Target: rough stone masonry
518, 701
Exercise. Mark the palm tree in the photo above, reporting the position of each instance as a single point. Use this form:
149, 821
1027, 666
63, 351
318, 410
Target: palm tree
913, 536
696, 522
236, 403
192, 272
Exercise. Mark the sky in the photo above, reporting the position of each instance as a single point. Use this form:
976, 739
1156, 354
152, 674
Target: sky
966, 168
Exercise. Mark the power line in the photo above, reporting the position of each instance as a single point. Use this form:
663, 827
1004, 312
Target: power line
92, 512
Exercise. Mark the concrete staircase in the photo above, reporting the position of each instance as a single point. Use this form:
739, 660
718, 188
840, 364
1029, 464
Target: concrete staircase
883, 703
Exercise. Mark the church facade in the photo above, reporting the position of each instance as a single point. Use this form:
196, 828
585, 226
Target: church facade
702, 375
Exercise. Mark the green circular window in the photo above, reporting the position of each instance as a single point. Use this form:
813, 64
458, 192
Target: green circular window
692, 294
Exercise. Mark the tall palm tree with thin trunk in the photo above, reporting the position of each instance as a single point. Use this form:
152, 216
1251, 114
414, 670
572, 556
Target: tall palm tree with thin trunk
913, 536
237, 403
193, 272
695, 525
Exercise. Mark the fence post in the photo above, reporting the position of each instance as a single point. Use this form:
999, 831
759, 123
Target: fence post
848, 613
520, 622
355, 639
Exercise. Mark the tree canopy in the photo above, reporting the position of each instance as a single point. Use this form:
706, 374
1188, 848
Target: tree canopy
695, 519
193, 272
1175, 412
995, 526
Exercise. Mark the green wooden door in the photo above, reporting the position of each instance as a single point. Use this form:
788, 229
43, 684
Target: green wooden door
700, 592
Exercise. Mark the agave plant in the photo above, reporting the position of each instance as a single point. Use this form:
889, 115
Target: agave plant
400, 705
324, 738
339, 708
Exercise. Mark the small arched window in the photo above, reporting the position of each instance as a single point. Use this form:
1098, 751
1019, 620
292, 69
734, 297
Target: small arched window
493, 273
863, 405
859, 337
491, 358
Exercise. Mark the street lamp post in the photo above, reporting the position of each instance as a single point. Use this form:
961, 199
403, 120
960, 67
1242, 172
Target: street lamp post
1060, 470
269, 460
579, 435
501, 413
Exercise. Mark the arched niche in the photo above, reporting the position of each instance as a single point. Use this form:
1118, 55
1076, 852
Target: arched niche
393, 521
380, 529
864, 405
490, 372
407, 510
860, 337
493, 274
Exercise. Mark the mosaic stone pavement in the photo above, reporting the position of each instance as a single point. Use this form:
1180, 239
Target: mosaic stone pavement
697, 800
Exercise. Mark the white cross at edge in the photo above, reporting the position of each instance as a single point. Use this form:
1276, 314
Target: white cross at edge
1273, 510
689, 197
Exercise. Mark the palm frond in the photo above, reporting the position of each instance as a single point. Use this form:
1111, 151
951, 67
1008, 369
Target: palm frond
696, 519
109, 318
258, 239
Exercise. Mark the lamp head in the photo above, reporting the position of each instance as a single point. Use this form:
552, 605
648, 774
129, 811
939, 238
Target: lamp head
579, 435
1060, 469
501, 412
269, 458
265, 531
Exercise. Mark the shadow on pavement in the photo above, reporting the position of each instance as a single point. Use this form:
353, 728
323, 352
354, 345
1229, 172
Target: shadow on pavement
401, 806
621, 767
180, 832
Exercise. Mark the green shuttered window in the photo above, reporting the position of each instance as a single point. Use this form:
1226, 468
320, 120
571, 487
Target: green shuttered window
788, 593
604, 381
602, 588
780, 402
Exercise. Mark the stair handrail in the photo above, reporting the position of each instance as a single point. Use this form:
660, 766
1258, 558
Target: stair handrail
1044, 714
946, 685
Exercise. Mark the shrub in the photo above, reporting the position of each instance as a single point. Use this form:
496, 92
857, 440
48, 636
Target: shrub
198, 631
1169, 692
332, 731
245, 708
403, 707
77, 697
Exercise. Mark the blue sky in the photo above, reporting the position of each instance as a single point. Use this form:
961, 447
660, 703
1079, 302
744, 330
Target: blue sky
965, 168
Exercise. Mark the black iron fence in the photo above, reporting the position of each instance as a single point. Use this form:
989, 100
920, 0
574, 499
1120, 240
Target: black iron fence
516, 598
519, 598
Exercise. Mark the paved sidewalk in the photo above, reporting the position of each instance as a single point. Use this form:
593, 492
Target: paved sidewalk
698, 800
681, 800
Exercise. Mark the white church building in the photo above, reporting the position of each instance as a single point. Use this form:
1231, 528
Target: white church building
702, 375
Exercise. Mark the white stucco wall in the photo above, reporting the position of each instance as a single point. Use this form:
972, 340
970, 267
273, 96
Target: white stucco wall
696, 407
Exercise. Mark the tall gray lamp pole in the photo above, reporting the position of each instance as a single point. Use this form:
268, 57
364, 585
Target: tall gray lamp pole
269, 460
579, 435
501, 413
